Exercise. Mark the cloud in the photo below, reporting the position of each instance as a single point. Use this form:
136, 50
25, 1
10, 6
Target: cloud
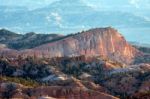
55, 17
146, 18
48, 18
94, 4
135, 3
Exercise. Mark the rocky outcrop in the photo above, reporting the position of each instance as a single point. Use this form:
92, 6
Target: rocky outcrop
106, 42
74, 90
71, 93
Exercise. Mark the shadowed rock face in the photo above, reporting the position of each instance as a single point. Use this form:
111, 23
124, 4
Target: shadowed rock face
72, 93
75, 91
105, 42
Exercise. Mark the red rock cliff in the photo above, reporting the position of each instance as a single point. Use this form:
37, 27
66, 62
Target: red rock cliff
105, 42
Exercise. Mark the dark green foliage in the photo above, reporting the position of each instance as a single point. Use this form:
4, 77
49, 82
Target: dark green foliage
142, 59
24, 81
72, 70
75, 66
10, 88
143, 49
6, 68
9, 71
31, 40
35, 69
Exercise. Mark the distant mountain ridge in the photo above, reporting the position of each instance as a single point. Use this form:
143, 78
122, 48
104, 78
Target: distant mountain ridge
26, 41
72, 16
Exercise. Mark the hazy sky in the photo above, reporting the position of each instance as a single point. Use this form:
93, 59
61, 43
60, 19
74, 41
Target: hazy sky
136, 7
31, 4
144, 4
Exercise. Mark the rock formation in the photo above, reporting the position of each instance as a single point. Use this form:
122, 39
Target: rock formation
106, 42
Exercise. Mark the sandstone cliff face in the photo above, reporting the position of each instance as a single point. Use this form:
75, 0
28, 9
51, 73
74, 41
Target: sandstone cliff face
105, 42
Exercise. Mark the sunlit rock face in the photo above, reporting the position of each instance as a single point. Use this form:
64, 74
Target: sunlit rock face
105, 42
